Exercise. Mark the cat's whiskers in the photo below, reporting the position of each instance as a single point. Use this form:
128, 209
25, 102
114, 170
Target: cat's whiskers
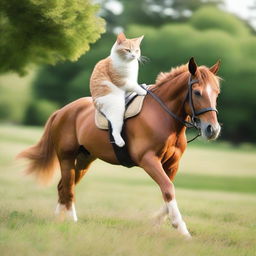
143, 59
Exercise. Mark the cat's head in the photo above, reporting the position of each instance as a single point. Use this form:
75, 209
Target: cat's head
127, 49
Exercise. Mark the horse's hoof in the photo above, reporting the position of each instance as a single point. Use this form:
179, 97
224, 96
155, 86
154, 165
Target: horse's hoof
182, 228
187, 236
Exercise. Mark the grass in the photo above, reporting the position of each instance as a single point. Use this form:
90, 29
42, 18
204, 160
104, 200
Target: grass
215, 189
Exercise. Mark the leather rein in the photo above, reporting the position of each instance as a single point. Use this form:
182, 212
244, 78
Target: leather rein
195, 113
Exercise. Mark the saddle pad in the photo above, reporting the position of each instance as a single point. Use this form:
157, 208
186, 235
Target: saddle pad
133, 109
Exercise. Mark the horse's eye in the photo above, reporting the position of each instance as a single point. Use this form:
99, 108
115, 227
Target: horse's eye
197, 93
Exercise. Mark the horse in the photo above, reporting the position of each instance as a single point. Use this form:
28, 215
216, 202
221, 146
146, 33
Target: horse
155, 138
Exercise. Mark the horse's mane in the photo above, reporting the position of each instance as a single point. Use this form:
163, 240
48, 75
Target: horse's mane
175, 72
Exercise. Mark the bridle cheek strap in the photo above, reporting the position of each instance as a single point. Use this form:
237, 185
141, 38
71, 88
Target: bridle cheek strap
196, 113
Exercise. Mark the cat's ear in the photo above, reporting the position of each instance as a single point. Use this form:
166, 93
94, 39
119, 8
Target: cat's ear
139, 39
120, 38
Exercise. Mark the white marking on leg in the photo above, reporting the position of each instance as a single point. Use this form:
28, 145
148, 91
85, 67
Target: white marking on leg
60, 211
72, 213
59, 208
176, 218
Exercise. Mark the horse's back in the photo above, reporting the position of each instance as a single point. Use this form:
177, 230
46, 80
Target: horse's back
66, 123
70, 113
76, 126
78, 105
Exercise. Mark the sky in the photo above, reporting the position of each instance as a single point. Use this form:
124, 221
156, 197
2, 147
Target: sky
242, 9
239, 7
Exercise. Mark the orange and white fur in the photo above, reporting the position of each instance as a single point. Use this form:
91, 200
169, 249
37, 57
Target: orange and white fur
112, 78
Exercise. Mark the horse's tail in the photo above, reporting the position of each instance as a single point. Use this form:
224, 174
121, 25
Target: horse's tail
42, 156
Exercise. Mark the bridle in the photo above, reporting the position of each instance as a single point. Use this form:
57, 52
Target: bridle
195, 113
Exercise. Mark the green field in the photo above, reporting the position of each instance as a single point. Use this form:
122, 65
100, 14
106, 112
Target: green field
216, 191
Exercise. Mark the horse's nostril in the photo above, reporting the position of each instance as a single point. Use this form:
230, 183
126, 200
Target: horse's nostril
209, 130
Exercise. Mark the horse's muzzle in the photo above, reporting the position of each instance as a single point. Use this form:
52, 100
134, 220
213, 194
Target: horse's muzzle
209, 131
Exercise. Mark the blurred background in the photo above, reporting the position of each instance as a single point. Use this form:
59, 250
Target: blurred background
48, 50
37, 76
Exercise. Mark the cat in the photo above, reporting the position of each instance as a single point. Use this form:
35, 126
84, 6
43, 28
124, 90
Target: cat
112, 77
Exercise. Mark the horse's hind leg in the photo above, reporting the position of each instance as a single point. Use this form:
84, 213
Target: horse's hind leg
83, 162
66, 188
72, 171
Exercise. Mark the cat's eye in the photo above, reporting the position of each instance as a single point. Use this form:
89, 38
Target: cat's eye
137, 50
197, 93
128, 50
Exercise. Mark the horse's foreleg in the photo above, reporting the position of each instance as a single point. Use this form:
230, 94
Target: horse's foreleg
173, 209
66, 206
154, 168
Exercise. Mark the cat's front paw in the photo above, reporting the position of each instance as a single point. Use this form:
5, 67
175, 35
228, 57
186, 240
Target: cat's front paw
143, 93
140, 91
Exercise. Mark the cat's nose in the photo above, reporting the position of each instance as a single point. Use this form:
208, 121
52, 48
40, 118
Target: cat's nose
133, 56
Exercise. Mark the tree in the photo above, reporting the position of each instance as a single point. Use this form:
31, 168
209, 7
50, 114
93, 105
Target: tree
45, 32
151, 12
60, 84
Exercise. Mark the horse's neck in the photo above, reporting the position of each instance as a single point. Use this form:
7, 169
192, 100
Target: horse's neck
173, 93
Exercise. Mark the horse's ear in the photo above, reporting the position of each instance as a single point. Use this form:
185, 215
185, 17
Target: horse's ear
120, 38
192, 67
215, 68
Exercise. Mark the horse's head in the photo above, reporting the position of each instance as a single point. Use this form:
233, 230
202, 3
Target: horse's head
204, 90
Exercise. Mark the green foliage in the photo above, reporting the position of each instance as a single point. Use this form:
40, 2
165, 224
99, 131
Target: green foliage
54, 81
14, 96
40, 32
39, 111
211, 18
78, 86
152, 12
5, 112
